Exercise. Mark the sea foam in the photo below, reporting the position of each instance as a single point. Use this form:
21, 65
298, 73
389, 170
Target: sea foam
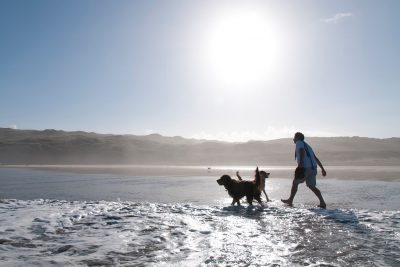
123, 233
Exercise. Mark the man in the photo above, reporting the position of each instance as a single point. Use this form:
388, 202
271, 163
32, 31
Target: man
306, 170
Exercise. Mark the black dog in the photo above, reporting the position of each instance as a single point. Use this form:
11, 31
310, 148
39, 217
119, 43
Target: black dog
238, 189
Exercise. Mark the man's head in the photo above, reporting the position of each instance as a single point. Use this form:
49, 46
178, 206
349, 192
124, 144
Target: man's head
298, 137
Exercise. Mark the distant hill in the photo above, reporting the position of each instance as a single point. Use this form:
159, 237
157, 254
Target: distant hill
60, 147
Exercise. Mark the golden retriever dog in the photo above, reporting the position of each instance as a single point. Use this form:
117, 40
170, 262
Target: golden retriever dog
264, 175
238, 189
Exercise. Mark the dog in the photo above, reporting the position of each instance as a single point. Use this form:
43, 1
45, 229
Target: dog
264, 175
238, 189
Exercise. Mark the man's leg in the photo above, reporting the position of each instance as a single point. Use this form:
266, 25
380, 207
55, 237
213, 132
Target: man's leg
319, 195
293, 192
311, 181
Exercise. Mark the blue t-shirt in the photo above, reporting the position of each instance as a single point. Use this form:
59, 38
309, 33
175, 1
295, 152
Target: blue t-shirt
309, 161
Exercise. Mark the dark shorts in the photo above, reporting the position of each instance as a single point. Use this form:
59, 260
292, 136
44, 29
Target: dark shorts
307, 175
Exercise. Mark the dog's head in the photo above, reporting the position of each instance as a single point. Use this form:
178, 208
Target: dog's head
264, 174
224, 180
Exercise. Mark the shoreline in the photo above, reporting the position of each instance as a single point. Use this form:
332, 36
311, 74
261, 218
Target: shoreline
374, 173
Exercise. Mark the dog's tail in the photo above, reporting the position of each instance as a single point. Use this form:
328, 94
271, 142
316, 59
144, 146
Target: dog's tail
258, 178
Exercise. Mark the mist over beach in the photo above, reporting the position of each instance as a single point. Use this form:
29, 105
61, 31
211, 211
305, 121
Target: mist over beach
56, 147
199, 133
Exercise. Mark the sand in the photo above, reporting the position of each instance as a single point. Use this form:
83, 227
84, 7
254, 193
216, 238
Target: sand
377, 173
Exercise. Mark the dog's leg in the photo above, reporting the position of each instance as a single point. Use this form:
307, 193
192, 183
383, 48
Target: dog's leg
249, 199
268, 200
258, 198
235, 201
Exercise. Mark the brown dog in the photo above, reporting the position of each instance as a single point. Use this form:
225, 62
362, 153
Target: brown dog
238, 189
264, 175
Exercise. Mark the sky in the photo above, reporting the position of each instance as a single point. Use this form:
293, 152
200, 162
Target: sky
225, 70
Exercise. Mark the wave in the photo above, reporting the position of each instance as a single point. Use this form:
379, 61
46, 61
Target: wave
122, 233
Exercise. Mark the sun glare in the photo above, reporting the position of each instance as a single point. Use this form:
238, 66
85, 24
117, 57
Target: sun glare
241, 48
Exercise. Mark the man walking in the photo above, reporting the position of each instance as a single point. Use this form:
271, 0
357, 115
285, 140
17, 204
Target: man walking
306, 170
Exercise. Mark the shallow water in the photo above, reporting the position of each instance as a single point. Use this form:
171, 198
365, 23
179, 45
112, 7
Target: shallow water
103, 220
53, 232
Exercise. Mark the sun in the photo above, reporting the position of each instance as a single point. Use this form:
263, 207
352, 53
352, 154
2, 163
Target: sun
241, 48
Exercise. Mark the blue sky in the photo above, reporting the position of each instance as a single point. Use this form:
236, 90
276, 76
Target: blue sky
186, 67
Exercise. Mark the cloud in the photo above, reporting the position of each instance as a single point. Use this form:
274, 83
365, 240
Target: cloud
235, 136
269, 133
338, 17
148, 131
13, 126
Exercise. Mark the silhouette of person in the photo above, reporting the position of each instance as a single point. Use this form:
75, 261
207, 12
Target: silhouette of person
306, 170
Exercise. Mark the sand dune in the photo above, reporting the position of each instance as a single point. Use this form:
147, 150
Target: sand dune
60, 147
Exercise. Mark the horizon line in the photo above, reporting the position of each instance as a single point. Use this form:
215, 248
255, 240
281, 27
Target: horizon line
192, 138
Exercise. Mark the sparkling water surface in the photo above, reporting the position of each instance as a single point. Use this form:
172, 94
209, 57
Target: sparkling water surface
68, 219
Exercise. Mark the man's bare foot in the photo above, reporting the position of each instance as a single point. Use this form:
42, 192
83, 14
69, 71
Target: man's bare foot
322, 206
287, 201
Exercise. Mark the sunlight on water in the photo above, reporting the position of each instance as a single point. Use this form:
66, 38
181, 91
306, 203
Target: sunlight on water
125, 220
53, 232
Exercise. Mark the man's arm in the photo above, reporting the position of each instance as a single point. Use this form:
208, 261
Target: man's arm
320, 165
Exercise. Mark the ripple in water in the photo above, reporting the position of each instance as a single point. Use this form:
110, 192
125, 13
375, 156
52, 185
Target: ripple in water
95, 233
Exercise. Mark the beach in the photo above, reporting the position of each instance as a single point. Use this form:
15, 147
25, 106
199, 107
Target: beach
371, 172
54, 217
124, 123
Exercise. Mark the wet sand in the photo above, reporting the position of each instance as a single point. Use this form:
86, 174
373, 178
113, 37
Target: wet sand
376, 173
